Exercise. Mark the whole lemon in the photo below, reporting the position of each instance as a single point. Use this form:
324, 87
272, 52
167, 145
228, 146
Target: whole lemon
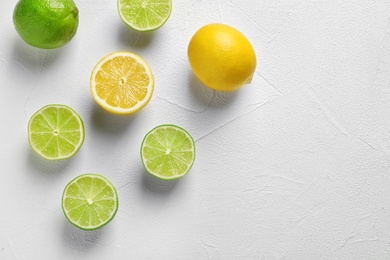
46, 24
221, 57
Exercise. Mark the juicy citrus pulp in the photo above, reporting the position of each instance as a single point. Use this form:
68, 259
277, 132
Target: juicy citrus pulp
89, 201
221, 57
46, 24
122, 83
168, 152
56, 132
144, 15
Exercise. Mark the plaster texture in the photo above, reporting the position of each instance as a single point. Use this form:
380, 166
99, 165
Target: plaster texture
293, 166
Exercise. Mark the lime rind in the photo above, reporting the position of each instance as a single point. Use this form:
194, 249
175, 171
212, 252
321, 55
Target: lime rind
66, 143
82, 199
160, 146
46, 25
144, 15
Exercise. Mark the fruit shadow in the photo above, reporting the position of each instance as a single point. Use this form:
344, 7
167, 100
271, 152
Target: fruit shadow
209, 97
32, 58
80, 240
137, 40
151, 184
104, 121
45, 168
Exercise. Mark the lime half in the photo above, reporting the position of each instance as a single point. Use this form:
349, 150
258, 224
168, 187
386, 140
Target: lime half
89, 201
56, 132
144, 15
168, 152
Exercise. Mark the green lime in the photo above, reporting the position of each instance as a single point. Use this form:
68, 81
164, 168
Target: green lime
144, 15
46, 24
89, 201
56, 132
168, 152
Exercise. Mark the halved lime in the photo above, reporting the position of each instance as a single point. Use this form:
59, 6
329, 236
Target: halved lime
168, 152
90, 201
56, 132
144, 15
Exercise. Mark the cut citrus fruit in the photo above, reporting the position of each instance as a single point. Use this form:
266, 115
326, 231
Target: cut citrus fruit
144, 15
56, 132
168, 152
122, 83
89, 201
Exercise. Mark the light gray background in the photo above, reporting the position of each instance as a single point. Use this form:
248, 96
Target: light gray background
293, 166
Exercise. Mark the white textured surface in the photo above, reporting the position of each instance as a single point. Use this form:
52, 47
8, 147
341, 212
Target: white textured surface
292, 166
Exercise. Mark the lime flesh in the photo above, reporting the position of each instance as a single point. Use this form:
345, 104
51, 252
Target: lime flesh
56, 132
90, 201
46, 24
144, 15
168, 152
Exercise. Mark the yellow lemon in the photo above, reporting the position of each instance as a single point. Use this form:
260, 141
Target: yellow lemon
221, 57
122, 83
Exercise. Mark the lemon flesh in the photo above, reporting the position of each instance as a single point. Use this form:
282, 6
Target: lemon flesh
221, 57
122, 83
46, 24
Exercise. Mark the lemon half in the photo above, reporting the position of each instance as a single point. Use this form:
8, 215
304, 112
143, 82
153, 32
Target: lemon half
122, 83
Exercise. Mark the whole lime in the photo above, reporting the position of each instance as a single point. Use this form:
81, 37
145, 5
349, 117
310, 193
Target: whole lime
46, 24
221, 57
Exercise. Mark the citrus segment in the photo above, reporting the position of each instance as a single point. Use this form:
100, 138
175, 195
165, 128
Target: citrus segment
144, 15
168, 152
89, 201
122, 83
56, 132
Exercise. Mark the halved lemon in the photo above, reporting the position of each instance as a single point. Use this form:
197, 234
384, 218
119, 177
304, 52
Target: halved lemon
122, 83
